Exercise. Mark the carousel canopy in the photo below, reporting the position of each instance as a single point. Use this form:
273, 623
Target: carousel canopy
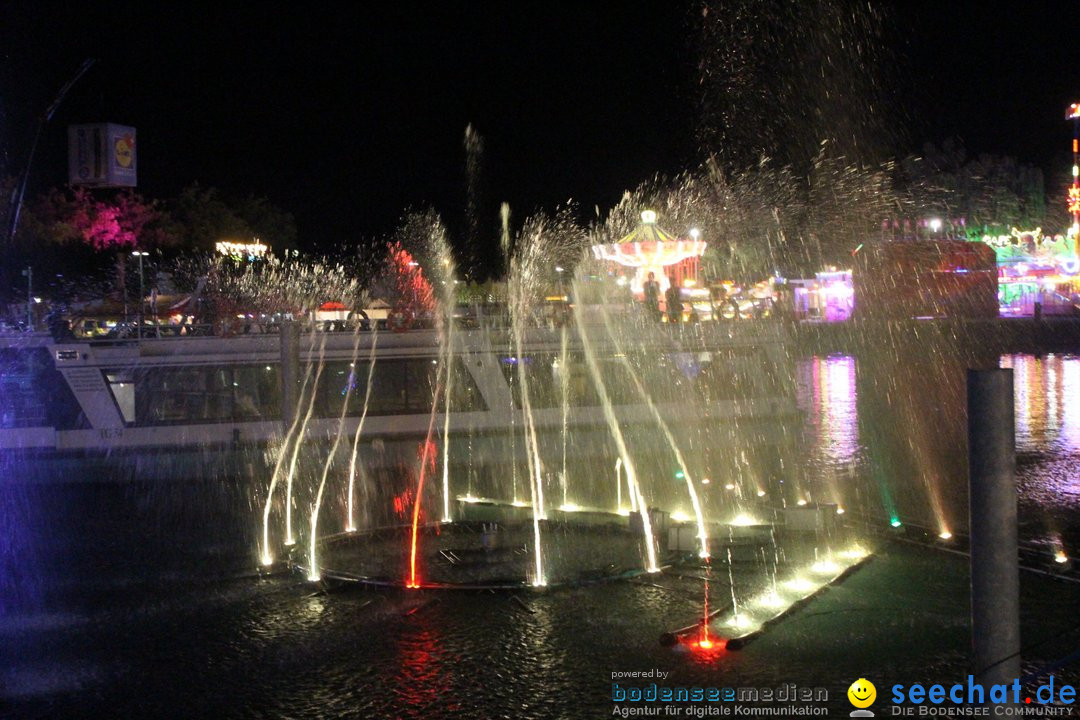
649, 245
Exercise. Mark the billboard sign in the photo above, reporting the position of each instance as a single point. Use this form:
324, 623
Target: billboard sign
102, 155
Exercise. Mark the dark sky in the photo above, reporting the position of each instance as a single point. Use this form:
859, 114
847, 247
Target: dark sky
345, 114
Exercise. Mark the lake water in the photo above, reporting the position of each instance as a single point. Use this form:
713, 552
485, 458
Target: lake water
140, 600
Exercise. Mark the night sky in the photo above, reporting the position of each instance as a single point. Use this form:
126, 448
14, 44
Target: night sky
345, 115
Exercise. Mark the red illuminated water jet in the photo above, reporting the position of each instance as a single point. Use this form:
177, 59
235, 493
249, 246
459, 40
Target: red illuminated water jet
414, 579
705, 643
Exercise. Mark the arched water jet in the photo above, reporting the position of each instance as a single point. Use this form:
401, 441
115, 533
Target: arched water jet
564, 396
651, 564
290, 539
639, 387
414, 578
350, 522
266, 557
532, 451
539, 243
618, 484
448, 356
313, 566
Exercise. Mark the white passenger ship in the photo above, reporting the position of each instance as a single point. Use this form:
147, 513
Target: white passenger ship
183, 405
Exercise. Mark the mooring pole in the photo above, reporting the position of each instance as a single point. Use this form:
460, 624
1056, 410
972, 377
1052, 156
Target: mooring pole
290, 369
995, 571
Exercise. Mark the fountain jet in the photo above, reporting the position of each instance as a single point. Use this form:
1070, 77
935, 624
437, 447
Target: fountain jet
662, 424
651, 564
267, 557
313, 567
290, 539
350, 522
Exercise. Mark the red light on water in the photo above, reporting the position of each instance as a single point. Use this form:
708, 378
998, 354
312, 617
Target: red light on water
706, 646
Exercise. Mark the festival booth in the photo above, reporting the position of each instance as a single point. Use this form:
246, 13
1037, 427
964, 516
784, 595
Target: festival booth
827, 297
1036, 269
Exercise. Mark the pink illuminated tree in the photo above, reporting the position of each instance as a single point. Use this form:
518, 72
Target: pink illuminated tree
407, 288
117, 222
124, 221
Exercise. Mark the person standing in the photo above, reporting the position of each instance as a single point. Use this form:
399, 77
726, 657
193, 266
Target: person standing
673, 300
652, 297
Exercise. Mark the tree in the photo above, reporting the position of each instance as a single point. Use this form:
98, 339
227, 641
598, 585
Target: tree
117, 222
403, 285
202, 216
77, 234
266, 221
991, 192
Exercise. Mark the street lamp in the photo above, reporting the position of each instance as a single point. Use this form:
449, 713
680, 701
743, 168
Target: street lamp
935, 224
28, 273
142, 294
695, 233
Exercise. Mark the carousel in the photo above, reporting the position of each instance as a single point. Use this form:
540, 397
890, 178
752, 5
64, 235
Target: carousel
652, 249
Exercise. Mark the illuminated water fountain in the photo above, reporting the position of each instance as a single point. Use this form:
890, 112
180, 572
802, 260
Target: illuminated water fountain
583, 397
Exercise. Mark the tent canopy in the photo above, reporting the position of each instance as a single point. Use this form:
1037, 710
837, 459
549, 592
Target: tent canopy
649, 246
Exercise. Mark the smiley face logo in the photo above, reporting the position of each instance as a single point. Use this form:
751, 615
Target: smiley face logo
862, 693
125, 151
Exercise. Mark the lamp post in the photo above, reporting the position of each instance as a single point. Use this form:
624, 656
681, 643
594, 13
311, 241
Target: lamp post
28, 273
1073, 113
142, 294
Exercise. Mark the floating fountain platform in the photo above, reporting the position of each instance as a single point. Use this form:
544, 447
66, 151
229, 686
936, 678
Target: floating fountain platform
490, 548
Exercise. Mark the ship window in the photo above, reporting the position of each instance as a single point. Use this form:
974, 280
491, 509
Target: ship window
187, 394
665, 377
21, 401
424, 381
122, 385
549, 375
724, 375
256, 392
397, 387
388, 396
171, 395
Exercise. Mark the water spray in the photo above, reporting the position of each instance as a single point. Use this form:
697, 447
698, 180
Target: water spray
313, 565
446, 421
564, 392
290, 539
266, 557
651, 564
683, 469
350, 523
414, 578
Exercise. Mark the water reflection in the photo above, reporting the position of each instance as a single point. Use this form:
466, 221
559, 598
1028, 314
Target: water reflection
910, 446
1047, 402
1048, 448
421, 679
826, 394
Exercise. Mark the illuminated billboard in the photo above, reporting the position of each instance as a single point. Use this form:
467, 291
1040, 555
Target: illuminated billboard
101, 155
